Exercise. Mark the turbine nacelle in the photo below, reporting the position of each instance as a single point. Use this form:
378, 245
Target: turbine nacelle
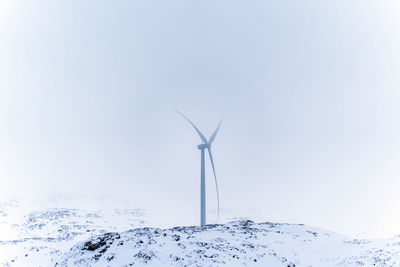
203, 146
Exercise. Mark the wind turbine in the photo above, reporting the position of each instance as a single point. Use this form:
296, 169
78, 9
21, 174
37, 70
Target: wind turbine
206, 144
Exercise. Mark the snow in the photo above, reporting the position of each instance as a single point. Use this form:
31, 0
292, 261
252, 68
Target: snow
82, 236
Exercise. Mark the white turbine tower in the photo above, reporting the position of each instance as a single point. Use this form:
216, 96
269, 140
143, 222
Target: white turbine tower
205, 145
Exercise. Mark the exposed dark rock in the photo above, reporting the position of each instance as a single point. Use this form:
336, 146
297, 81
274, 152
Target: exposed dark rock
101, 243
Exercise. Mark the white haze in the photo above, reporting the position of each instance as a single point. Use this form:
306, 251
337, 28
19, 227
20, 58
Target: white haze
308, 91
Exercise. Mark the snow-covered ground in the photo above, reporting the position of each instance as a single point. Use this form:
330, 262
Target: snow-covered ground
79, 235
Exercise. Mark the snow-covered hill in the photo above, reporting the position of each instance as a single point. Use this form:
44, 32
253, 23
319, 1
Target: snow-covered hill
77, 237
241, 243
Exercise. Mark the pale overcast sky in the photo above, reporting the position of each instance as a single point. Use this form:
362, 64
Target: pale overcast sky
309, 92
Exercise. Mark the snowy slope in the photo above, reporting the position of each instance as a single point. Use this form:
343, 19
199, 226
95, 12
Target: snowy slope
242, 243
31, 235
81, 237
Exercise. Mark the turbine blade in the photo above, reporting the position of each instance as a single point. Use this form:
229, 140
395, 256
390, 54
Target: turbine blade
215, 133
194, 126
215, 176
